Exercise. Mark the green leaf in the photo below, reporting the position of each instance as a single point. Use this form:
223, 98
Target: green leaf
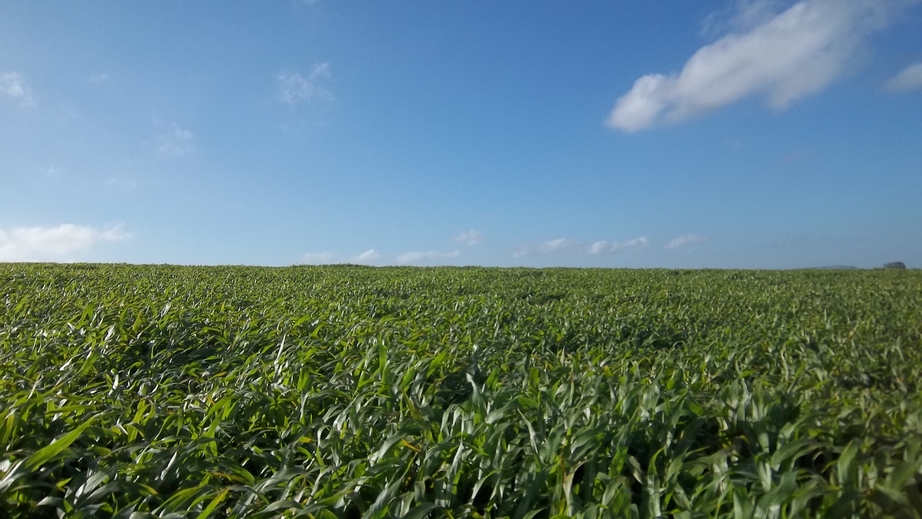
845, 460
421, 510
213, 504
46, 453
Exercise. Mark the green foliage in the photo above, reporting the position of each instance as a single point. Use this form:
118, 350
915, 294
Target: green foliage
195, 392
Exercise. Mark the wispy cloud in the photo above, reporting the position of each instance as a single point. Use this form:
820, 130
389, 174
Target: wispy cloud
782, 57
295, 88
548, 247
469, 238
69, 112
330, 258
685, 241
99, 78
740, 16
176, 142
123, 183
365, 258
910, 78
54, 243
14, 87
615, 247
319, 258
416, 257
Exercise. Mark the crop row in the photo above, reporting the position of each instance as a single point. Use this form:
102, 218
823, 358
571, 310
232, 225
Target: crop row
157, 391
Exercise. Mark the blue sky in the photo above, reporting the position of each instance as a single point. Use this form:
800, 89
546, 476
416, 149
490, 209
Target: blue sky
727, 134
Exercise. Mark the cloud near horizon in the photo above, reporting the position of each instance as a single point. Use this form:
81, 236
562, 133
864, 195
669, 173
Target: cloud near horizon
329, 258
13, 86
54, 243
318, 258
415, 257
295, 88
548, 247
783, 58
618, 246
685, 241
365, 258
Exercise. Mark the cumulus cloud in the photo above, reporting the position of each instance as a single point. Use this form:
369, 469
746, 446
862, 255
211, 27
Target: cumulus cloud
470, 238
365, 258
910, 78
295, 88
685, 241
782, 57
13, 87
176, 142
415, 257
600, 247
54, 243
548, 247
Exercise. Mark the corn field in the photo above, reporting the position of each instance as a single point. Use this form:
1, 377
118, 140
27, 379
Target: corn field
346, 391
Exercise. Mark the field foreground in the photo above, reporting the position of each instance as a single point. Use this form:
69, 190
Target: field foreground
153, 391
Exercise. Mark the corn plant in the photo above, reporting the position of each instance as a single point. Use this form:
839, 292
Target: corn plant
346, 391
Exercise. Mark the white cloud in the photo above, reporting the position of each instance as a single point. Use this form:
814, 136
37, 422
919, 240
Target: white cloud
556, 245
740, 16
365, 258
294, 88
53, 243
909, 79
784, 58
99, 78
13, 86
684, 241
618, 246
177, 142
598, 247
548, 247
414, 257
330, 258
471, 238
318, 258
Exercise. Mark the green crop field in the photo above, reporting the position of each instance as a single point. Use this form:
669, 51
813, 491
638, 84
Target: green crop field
343, 391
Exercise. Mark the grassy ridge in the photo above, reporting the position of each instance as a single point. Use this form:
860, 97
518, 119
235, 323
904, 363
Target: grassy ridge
359, 392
